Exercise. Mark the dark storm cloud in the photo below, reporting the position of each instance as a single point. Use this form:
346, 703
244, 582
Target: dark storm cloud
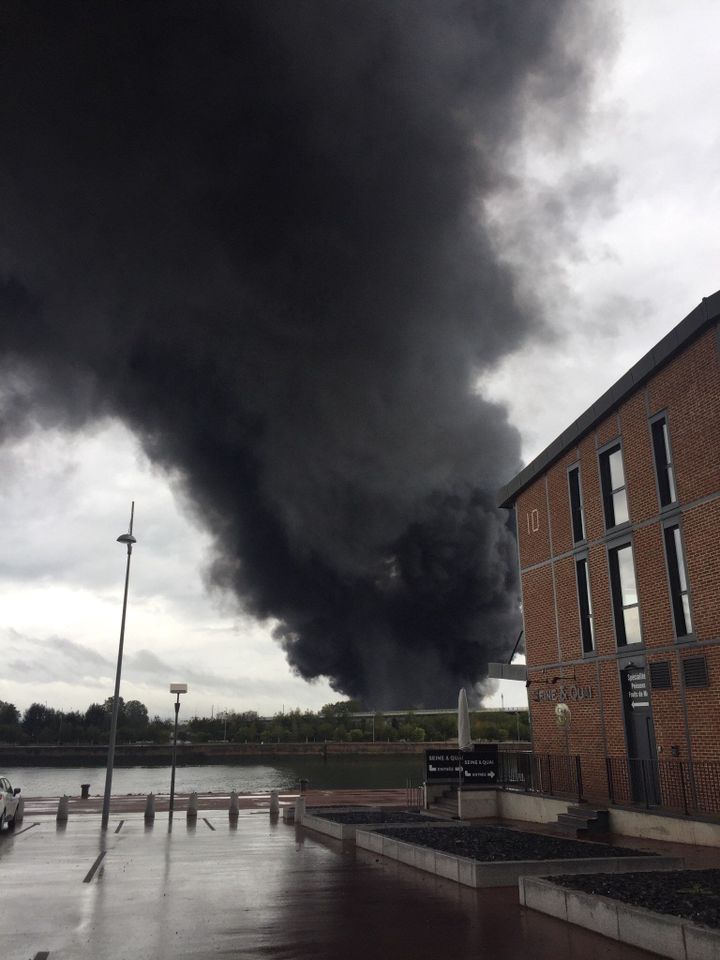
254, 232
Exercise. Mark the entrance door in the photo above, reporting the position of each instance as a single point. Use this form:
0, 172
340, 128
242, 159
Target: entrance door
642, 752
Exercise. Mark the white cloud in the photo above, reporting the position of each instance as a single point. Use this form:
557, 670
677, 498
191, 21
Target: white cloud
645, 263
64, 501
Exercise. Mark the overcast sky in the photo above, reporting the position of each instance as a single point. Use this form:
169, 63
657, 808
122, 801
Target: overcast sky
647, 250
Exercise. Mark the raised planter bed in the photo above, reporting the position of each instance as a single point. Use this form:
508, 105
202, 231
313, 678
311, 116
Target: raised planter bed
673, 915
343, 824
498, 857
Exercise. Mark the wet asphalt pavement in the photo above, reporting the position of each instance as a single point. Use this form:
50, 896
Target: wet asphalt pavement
262, 889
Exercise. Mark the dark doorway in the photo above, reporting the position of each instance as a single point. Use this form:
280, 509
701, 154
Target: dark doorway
642, 753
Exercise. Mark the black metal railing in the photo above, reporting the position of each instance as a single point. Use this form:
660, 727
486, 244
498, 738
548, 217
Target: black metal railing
676, 785
547, 773
413, 794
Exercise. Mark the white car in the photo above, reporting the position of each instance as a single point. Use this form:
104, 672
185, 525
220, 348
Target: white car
9, 801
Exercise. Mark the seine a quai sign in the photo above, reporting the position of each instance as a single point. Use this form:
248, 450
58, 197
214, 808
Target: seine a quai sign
478, 767
562, 693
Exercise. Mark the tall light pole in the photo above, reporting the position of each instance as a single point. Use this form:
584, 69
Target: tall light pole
176, 688
129, 539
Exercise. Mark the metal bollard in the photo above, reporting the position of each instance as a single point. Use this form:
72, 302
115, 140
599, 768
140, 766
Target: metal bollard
150, 807
62, 810
20, 812
299, 809
274, 803
234, 806
192, 807
84, 791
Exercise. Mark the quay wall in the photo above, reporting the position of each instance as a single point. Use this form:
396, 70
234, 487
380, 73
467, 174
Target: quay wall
130, 755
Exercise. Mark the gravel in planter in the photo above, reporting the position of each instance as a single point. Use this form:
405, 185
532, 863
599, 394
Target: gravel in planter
690, 894
370, 816
491, 844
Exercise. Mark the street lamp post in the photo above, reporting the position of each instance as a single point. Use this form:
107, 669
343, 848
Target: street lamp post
128, 539
176, 688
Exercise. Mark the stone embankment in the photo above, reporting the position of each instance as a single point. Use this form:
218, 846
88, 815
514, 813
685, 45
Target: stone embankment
130, 755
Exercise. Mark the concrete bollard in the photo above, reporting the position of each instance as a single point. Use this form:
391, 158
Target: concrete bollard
274, 803
299, 809
192, 807
20, 812
62, 810
150, 807
234, 810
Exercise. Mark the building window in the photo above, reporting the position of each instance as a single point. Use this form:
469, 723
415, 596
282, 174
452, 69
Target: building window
679, 593
624, 595
576, 507
612, 478
585, 602
663, 462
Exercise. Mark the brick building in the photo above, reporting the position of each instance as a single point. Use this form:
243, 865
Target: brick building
618, 529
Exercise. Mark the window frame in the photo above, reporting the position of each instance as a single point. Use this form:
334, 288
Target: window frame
618, 607
665, 475
585, 616
607, 491
676, 571
575, 469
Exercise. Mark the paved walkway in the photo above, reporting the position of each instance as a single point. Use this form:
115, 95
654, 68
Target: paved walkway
258, 889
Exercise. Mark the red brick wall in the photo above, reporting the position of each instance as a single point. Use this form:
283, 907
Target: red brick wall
687, 389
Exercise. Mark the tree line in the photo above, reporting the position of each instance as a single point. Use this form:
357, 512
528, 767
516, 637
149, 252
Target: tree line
40, 724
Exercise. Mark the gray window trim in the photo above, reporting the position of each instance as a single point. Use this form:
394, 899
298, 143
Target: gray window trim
601, 452
676, 521
583, 540
584, 555
673, 505
617, 544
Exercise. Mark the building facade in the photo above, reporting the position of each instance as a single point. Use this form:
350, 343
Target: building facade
618, 530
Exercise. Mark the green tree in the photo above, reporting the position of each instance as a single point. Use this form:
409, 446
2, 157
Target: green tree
97, 723
135, 720
10, 729
36, 719
9, 713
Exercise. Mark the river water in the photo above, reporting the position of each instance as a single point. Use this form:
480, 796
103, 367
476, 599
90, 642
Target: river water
283, 774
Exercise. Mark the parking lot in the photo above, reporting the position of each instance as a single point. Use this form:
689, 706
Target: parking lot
256, 889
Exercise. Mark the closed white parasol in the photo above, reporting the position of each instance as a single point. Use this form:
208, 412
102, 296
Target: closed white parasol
464, 739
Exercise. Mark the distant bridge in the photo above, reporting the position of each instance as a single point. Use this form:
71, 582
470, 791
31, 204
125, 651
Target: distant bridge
431, 712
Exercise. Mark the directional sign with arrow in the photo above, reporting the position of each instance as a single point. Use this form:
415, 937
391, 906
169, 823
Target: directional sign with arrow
480, 767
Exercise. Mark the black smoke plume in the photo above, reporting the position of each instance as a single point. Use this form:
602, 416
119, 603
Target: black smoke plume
255, 232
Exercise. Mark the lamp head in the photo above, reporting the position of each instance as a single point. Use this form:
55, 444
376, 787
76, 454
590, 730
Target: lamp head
126, 538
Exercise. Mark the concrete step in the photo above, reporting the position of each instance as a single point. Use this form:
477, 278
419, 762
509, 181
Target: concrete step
576, 829
568, 820
590, 813
581, 821
446, 805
